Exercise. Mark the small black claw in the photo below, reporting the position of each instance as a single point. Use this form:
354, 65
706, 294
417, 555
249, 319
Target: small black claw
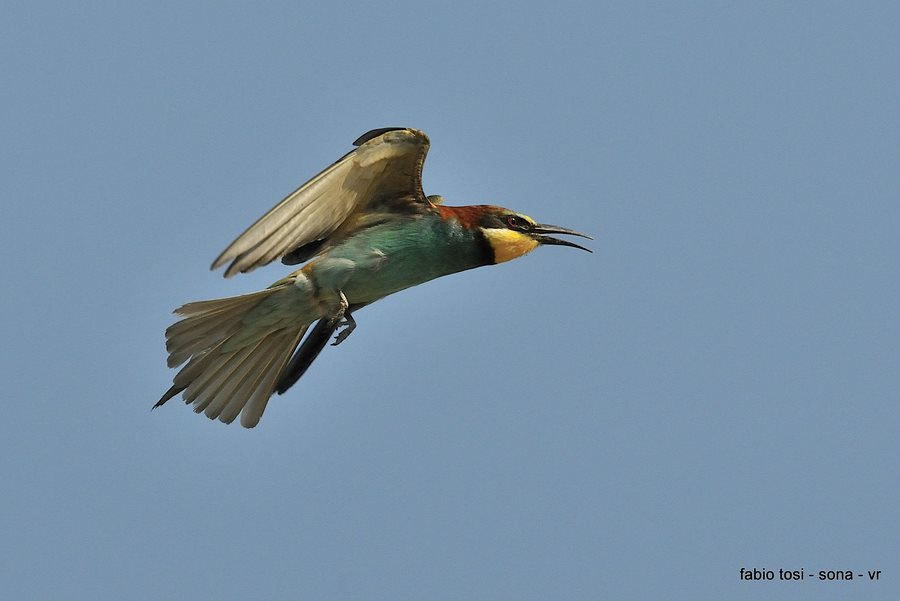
349, 324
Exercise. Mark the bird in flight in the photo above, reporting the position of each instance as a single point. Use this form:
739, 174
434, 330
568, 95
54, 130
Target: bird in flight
364, 229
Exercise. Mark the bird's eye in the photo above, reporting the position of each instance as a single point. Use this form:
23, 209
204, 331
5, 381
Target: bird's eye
516, 223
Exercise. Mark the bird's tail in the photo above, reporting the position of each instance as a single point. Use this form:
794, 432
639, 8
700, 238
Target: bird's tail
235, 349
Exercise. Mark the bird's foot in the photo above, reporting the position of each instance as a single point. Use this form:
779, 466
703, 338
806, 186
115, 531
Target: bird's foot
349, 324
343, 319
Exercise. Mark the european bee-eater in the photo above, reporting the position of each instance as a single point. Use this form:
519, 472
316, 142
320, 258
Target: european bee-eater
364, 229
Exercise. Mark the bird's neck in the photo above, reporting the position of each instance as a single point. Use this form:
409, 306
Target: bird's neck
469, 216
504, 244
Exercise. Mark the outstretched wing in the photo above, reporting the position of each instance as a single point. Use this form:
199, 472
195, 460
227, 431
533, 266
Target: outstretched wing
386, 165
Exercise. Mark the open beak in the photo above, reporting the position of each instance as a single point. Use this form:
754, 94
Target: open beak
543, 228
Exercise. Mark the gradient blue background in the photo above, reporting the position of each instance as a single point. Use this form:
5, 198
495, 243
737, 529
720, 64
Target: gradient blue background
715, 388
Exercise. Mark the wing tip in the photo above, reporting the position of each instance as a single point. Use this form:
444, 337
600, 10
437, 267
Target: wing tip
222, 260
406, 134
374, 133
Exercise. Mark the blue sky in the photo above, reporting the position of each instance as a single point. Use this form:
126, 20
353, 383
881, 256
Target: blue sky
715, 388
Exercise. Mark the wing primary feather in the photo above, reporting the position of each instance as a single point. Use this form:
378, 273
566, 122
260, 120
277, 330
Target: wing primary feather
384, 172
267, 251
265, 225
259, 254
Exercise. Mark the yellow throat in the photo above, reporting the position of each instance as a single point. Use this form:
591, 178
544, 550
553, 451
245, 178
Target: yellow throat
508, 244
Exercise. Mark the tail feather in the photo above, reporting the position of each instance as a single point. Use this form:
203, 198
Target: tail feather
206, 323
207, 385
246, 380
205, 334
206, 307
234, 354
256, 404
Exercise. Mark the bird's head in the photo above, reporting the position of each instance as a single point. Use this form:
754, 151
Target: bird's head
512, 235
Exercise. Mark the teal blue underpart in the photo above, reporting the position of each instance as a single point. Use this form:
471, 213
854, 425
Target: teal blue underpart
398, 254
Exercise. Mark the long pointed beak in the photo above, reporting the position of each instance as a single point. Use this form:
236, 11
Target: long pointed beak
543, 228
